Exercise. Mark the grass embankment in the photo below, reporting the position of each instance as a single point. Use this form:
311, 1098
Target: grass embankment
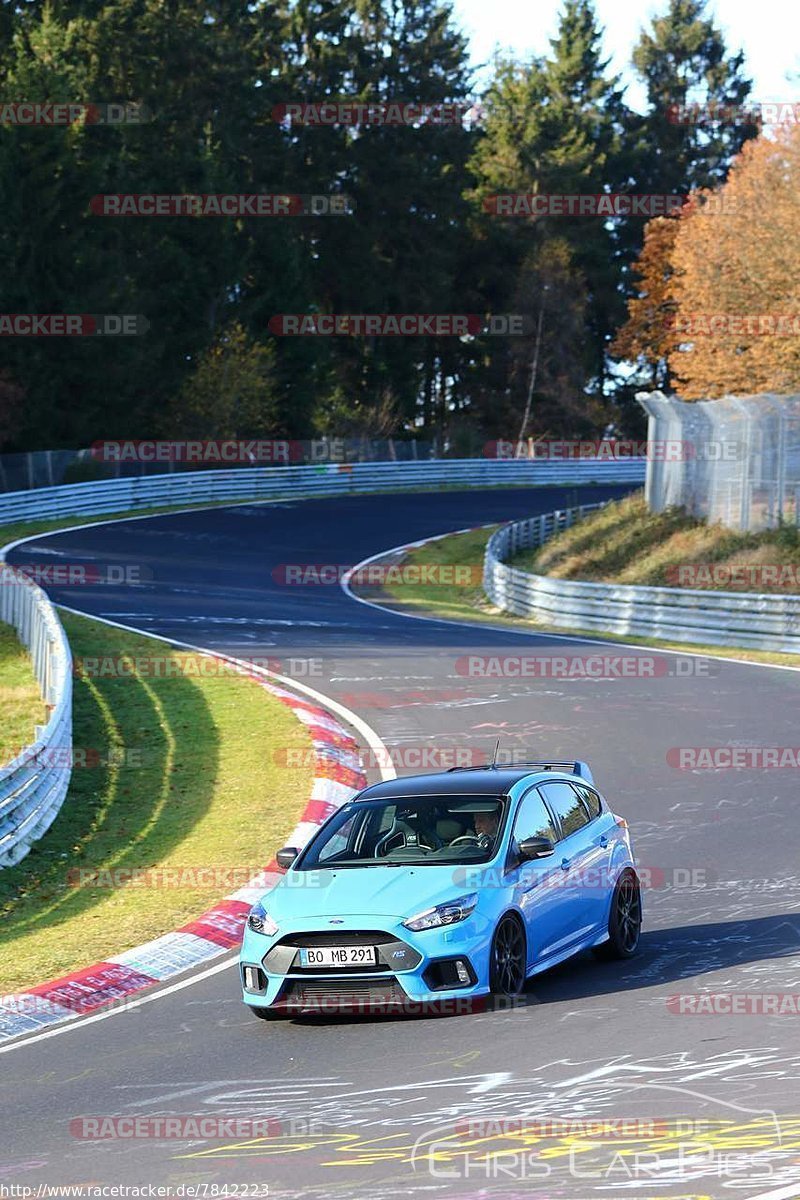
20, 702
179, 774
625, 543
470, 603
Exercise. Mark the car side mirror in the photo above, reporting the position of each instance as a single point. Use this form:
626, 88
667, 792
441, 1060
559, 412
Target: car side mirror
285, 857
535, 847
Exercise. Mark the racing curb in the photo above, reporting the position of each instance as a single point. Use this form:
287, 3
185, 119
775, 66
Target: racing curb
337, 776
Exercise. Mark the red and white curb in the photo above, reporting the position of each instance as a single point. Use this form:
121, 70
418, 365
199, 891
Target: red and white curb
338, 775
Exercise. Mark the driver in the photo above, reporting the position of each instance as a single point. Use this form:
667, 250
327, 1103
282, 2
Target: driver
486, 824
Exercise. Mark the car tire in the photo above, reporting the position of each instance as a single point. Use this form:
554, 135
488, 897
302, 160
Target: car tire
624, 921
508, 959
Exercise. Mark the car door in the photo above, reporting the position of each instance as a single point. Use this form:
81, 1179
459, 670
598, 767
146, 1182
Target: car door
582, 858
536, 883
604, 833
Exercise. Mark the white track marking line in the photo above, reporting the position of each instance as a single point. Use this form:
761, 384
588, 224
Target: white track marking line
124, 1008
784, 1193
358, 723
530, 633
369, 735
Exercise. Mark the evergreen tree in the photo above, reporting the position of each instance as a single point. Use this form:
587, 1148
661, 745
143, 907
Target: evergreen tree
683, 61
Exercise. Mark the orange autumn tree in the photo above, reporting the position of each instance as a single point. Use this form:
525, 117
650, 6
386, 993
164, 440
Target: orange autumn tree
646, 337
737, 255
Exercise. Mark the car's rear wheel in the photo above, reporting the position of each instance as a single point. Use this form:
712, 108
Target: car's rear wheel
625, 920
508, 958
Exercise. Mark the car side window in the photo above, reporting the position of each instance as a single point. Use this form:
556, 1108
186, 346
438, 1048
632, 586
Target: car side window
533, 819
565, 803
590, 799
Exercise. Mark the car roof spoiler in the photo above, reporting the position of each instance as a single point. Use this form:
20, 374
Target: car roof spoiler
575, 767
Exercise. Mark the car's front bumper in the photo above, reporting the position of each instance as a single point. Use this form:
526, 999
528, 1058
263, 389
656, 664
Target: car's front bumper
436, 967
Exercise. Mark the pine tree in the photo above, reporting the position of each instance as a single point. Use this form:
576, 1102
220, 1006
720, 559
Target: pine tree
683, 61
555, 126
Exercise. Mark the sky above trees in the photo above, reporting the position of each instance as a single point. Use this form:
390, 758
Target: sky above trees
771, 41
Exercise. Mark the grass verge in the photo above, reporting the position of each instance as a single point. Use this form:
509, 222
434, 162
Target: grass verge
626, 543
179, 774
471, 603
20, 703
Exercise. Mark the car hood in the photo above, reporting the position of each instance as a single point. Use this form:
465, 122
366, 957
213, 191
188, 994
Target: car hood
357, 891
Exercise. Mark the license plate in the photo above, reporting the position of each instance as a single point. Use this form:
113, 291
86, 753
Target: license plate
339, 956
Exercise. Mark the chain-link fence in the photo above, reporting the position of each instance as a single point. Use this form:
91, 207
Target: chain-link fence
734, 460
129, 460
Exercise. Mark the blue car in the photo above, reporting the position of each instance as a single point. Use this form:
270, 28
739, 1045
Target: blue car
444, 887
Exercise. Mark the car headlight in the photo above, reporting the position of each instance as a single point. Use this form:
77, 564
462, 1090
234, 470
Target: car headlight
443, 914
259, 920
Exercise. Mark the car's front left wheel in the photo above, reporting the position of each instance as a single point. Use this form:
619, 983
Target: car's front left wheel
508, 958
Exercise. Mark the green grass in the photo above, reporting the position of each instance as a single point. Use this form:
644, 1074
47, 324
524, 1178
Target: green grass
20, 702
472, 604
186, 779
625, 543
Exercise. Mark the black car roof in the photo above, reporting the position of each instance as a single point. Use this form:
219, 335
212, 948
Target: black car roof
494, 781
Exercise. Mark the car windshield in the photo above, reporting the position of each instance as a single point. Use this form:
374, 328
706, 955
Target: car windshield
425, 830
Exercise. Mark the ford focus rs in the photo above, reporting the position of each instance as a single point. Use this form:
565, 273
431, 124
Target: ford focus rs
437, 887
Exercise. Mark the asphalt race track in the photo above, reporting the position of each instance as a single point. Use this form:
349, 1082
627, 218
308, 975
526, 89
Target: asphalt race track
384, 1108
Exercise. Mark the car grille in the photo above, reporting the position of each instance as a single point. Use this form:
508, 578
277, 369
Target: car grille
328, 995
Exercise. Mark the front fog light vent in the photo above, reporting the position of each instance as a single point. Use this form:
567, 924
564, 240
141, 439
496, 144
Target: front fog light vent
253, 979
462, 972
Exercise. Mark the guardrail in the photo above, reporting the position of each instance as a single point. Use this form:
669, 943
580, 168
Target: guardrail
275, 483
745, 619
33, 785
